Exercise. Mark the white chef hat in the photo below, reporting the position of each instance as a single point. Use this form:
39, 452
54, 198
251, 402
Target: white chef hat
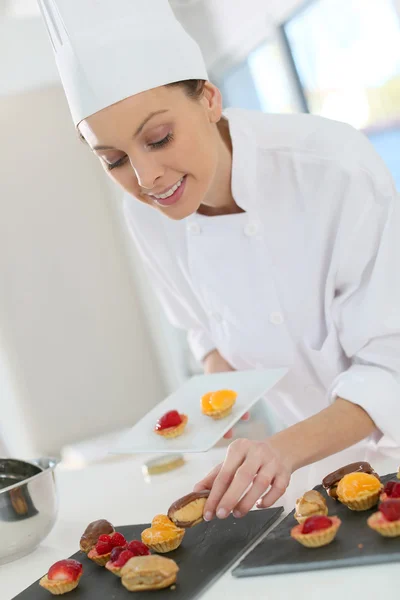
108, 50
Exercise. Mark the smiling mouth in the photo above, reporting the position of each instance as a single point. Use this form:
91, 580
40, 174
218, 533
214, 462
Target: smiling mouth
169, 192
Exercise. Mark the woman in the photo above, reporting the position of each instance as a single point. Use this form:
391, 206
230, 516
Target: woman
273, 240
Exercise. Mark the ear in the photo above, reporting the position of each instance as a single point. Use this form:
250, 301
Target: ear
212, 99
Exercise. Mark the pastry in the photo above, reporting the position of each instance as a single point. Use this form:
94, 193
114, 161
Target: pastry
63, 577
387, 520
120, 556
391, 490
359, 491
92, 533
101, 553
163, 535
148, 573
398, 473
218, 405
309, 505
171, 425
188, 511
330, 482
316, 531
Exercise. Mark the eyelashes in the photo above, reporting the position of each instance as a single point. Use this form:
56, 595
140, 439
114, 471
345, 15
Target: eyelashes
154, 146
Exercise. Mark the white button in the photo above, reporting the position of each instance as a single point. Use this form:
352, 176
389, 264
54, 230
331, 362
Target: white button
251, 229
194, 228
276, 318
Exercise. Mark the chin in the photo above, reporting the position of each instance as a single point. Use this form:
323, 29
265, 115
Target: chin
180, 211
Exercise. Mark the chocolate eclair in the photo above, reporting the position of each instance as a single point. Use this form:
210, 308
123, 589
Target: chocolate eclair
92, 533
188, 511
330, 482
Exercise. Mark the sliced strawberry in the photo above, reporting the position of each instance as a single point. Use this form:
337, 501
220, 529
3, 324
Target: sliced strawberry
316, 523
138, 548
170, 419
117, 540
123, 558
391, 509
65, 570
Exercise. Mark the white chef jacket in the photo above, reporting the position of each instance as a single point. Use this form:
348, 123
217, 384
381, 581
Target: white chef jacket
307, 277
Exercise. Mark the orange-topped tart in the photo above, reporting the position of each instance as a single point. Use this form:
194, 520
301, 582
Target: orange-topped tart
359, 491
316, 531
171, 425
218, 405
163, 535
387, 520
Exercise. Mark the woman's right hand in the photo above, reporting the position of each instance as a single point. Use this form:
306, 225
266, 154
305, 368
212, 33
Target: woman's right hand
215, 363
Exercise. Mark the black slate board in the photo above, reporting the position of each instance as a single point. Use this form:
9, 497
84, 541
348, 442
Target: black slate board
279, 553
207, 551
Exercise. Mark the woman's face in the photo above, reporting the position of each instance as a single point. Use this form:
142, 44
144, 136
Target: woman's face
161, 146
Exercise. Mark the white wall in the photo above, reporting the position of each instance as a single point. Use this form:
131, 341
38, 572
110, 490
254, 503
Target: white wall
79, 358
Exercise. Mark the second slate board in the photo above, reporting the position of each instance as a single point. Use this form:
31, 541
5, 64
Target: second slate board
355, 545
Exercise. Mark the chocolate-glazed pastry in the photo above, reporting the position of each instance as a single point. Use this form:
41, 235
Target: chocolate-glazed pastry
330, 482
92, 533
188, 511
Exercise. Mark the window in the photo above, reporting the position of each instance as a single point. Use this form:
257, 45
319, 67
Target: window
347, 57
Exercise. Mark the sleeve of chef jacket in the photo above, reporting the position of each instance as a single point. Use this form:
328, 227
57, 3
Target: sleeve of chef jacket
175, 307
367, 302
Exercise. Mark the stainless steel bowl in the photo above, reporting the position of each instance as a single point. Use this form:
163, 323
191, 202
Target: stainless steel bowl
28, 505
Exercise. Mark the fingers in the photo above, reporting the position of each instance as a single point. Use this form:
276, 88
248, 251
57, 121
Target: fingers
228, 435
260, 485
234, 458
278, 488
242, 480
246, 417
207, 482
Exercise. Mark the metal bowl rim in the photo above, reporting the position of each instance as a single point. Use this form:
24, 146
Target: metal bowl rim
53, 462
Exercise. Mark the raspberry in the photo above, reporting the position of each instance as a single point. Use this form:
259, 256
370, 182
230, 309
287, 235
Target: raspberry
65, 570
104, 538
117, 540
316, 523
138, 549
103, 548
170, 419
115, 553
392, 489
123, 558
391, 509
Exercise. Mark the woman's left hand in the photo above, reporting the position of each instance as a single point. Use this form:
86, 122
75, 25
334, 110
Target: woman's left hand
251, 466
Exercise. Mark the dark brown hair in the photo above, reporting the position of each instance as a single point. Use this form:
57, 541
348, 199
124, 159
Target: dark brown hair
194, 88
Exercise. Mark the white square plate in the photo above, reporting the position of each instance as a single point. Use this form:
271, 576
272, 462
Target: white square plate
201, 432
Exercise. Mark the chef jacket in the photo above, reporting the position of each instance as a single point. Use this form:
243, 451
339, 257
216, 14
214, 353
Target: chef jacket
308, 276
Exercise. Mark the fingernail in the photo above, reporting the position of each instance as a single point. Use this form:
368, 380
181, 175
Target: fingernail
208, 516
222, 513
237, 514
258, 505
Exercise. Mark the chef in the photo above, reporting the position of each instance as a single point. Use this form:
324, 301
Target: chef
272, 240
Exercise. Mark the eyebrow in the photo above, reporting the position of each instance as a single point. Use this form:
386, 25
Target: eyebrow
138, 130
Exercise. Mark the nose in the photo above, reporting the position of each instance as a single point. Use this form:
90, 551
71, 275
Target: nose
148, 171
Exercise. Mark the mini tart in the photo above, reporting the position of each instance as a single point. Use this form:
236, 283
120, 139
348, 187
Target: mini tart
163, 535
143, 573
100, 559
173, 432
188, 511
319, 538
92, 533
388, 493
310, 505
379, 523
359, 491
219, 404
58, 588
